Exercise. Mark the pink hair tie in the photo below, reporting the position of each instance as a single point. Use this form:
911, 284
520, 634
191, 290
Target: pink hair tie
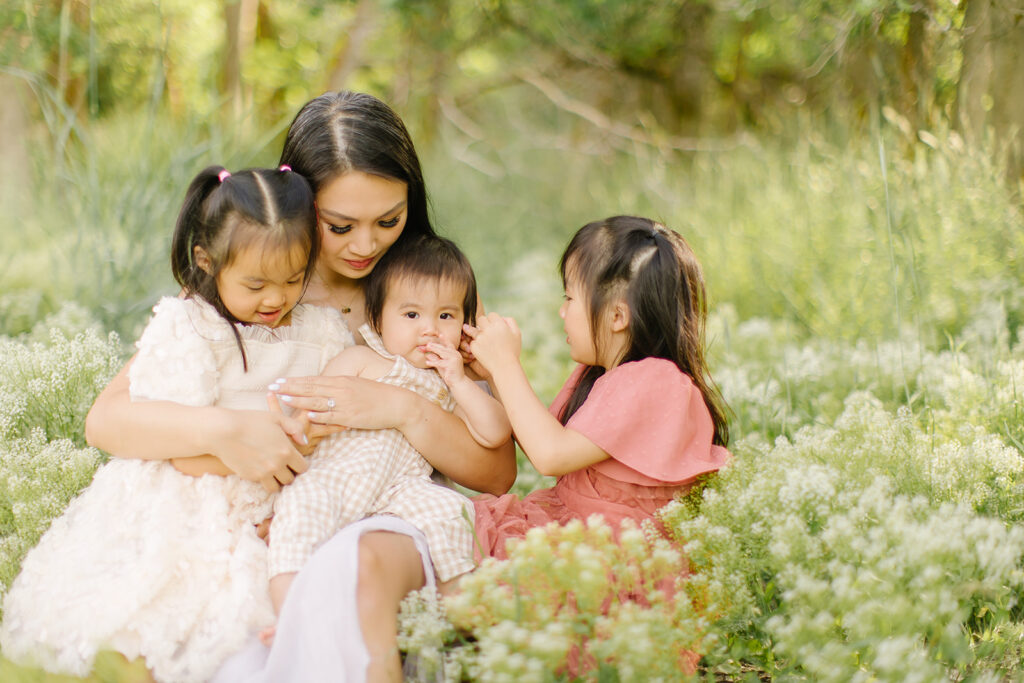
284, 167
223, 174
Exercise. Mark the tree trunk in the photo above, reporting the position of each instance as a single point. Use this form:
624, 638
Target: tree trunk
990, 97
690, 73
240, 27
350, 57
915, 70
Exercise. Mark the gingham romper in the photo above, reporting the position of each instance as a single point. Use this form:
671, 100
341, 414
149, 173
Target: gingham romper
361, 472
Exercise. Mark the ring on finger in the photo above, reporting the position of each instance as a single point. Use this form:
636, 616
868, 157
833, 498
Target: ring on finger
330, 404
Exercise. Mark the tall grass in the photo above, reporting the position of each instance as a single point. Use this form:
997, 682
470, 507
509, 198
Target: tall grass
103, 205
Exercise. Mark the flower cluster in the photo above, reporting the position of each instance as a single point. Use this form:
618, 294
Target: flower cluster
878, 543
48, 379
51, 384
569, 600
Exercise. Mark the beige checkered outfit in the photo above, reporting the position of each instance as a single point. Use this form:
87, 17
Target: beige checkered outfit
360, 472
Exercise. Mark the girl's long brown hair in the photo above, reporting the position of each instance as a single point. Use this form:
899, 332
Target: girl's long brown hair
656, 273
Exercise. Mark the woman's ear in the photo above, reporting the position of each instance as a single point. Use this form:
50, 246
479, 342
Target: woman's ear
202, 259
620, 316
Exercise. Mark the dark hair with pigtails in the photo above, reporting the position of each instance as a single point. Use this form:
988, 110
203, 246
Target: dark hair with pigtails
224, 213
344, 131
656, 273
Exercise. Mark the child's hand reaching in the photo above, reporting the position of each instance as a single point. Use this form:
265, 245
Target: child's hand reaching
474, 369
496, 341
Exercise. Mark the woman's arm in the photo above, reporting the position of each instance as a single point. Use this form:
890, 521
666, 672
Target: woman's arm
445, 441
441, 437
251, 443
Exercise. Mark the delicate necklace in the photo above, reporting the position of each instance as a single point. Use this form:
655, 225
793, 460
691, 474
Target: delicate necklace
347, 308
332, 297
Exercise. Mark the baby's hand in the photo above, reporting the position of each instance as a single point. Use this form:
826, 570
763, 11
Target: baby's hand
447, 360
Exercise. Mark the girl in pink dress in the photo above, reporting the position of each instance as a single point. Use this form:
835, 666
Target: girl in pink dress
639, 419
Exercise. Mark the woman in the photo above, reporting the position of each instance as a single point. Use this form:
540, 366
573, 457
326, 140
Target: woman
370, 196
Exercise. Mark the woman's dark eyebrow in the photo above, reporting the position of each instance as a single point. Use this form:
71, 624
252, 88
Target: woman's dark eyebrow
343, 217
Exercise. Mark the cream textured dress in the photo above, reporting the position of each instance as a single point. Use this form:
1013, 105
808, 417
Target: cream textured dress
150, 562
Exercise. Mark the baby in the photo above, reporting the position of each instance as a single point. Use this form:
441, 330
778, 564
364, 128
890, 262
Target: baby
417, 300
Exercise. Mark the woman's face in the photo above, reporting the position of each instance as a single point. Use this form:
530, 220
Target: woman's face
361, 216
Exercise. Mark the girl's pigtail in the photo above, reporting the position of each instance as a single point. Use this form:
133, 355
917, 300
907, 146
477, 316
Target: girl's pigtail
193, 229
188, 228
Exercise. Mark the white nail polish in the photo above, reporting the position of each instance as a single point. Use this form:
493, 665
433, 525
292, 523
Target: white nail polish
285, 398
274, 387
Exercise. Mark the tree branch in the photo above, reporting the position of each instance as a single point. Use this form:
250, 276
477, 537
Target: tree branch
598, 119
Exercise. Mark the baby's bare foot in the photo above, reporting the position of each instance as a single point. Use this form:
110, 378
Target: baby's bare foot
266, 636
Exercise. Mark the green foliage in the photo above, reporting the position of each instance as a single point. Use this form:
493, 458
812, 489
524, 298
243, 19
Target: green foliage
837, 238
694, 67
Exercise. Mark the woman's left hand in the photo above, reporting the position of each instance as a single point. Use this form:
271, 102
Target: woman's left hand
333, 404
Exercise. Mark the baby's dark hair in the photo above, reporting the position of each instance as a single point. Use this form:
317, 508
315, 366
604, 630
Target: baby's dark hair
224, 212
428, 257
656, 273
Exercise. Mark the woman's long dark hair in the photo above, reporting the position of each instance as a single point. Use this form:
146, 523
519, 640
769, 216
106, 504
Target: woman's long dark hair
344, 131
224, 213
656, 273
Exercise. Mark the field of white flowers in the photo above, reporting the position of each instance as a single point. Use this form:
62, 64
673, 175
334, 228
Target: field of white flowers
866, 334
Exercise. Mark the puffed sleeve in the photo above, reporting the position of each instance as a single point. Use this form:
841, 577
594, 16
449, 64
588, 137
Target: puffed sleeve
175, 361
652, 421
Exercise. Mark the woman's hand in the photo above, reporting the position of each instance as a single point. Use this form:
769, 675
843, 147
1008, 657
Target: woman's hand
496, 341
441, 437
333, 404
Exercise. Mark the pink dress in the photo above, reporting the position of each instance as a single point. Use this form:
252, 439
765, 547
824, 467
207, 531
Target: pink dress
650, 418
